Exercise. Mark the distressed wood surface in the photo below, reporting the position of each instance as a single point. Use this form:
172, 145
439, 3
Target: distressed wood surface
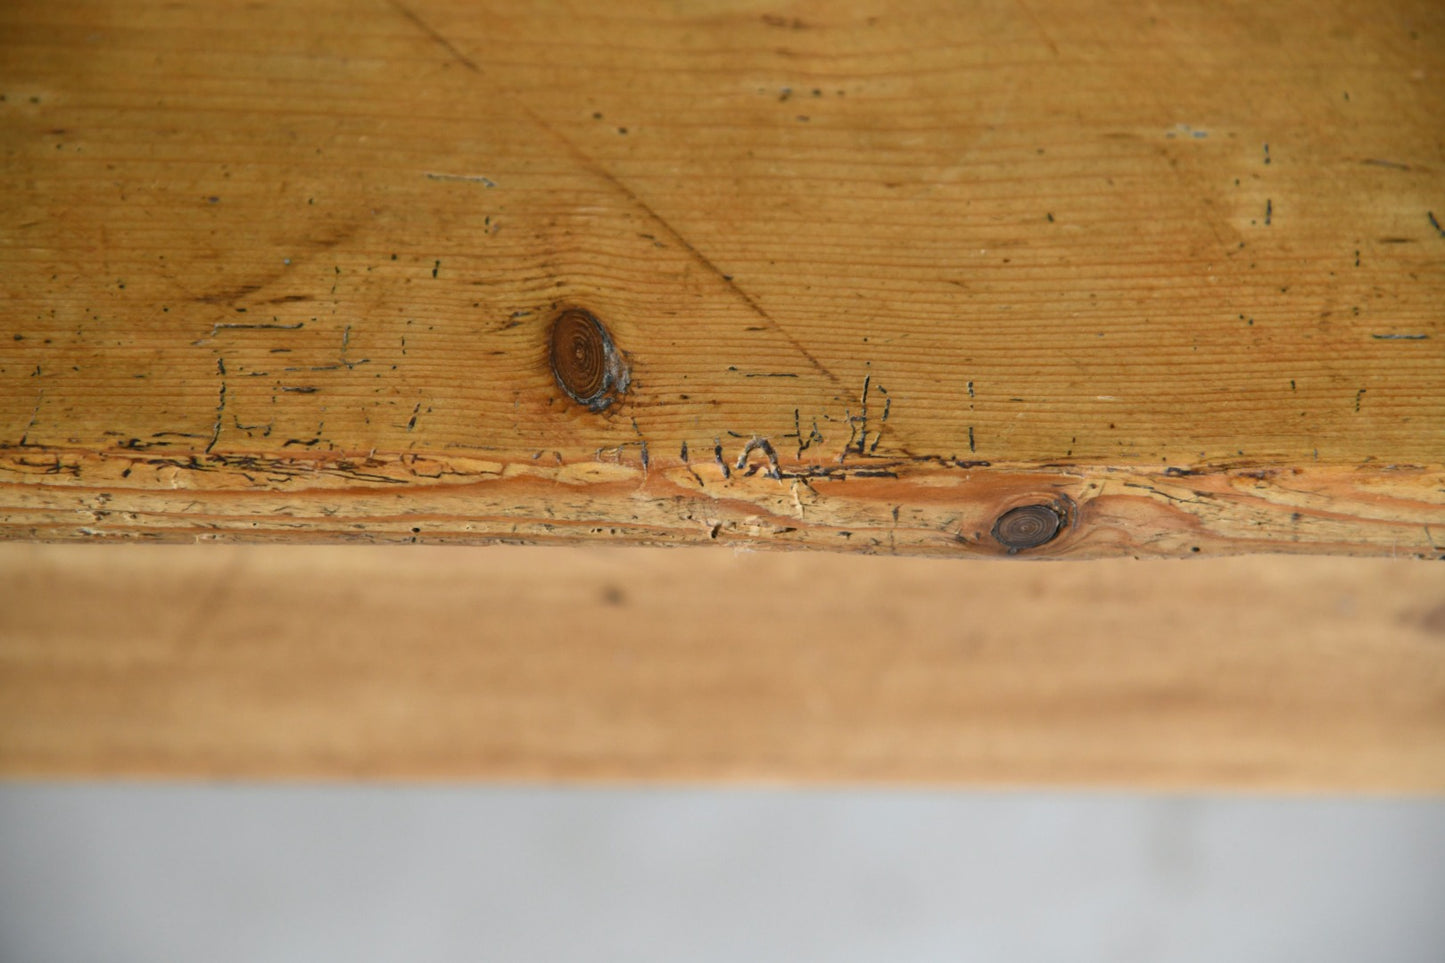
311, 662
873, 274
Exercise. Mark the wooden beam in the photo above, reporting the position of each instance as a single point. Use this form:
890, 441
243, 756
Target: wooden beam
1169, 280
649, 665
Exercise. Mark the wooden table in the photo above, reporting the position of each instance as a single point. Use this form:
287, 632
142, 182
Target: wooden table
859, 277
992, 279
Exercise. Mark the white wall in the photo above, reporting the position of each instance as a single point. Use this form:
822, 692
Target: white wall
119, 874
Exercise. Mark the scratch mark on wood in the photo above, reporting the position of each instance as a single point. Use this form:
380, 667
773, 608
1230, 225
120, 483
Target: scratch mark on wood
227, 296
473, 178
632, 196
717, 454
763, 445
244, 326
25, 435
220, 407
1038, 27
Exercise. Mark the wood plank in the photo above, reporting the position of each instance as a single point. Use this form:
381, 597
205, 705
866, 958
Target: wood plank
867, 278
650, 665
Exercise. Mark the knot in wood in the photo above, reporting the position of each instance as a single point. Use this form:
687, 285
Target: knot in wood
1028, 526
587, 365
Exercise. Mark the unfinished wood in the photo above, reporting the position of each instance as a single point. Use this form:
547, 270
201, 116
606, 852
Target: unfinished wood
870, 275
638, 664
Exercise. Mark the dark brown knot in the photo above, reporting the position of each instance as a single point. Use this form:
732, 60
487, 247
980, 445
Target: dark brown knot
1028, 526
587, 365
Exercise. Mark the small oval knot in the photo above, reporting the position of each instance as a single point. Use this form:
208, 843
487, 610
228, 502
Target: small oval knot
1028, 526
587, 365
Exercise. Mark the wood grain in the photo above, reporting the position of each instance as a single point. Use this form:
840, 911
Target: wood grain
877, 272
650, 665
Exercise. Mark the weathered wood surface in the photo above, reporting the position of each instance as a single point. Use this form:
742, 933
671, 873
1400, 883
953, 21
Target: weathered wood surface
876, 273
636, 664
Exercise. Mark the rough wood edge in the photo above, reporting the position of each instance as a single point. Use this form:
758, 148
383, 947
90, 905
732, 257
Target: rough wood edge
751, 498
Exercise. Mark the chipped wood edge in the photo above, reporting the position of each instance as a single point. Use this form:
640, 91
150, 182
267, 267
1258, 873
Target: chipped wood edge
749, 499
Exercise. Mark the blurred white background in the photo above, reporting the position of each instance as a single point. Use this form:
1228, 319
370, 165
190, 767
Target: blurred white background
146, 873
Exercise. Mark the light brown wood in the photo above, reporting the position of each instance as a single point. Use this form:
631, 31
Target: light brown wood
638, 664
877, 273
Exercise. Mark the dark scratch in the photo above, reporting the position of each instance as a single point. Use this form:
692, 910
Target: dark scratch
763, 445
474, 178
1197, 500
690, 470
220, 407
596, 168
25, 435
1039, 27
232, 294
425, 28
814, 436
227, 325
